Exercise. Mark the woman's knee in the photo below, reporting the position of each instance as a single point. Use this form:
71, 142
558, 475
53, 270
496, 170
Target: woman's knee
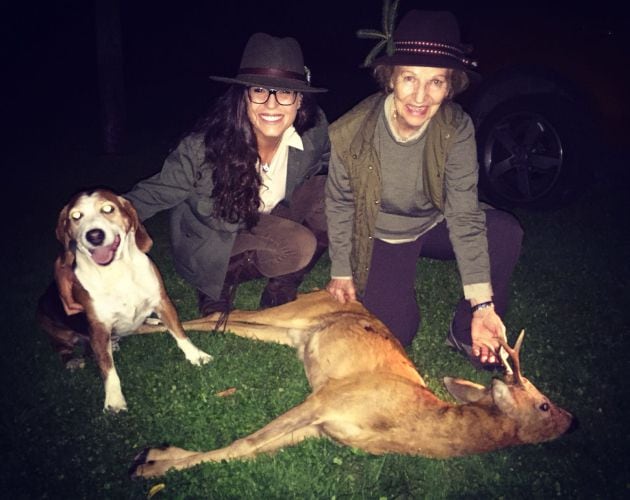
504, 226
304, 244
289, 247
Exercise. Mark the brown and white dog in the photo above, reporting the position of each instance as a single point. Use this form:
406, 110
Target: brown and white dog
116, 283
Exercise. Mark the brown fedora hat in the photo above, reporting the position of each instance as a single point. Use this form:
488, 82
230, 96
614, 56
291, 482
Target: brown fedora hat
272, 62
429, 38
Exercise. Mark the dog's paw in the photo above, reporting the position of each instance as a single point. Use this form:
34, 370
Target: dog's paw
114, 410
75, 364
115, 340
200, 358
193, 354
115, 404
152, 321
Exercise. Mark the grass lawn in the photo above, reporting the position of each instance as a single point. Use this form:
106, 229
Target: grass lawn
568, 294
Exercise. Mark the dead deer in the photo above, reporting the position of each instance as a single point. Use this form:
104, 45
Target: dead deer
366, 393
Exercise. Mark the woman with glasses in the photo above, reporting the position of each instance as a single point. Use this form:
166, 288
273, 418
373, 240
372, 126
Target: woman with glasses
244, 189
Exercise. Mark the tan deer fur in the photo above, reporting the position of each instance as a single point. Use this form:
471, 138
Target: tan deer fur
367, 394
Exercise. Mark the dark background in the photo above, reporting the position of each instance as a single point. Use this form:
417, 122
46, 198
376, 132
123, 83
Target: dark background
170, 47
573, 274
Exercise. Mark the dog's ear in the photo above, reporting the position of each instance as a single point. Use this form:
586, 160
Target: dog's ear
143, 240
64, 237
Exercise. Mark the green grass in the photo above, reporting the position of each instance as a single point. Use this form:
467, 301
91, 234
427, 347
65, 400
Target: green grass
568, 293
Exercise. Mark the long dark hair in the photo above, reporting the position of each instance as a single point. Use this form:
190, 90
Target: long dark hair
232, 153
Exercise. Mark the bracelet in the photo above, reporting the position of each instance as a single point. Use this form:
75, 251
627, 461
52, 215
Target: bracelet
482, 305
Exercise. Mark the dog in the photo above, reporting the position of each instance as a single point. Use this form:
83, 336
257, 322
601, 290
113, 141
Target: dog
366, 393
117, 284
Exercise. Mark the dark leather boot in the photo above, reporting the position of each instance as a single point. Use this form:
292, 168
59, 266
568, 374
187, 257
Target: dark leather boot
283, 289
240, 269
208, 305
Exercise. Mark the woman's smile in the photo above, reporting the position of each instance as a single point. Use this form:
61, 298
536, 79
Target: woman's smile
418, 93
419, 111
271, 119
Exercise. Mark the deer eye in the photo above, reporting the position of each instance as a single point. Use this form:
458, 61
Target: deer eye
544, 407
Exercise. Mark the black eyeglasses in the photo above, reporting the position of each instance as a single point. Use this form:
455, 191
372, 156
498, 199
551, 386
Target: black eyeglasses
260, 95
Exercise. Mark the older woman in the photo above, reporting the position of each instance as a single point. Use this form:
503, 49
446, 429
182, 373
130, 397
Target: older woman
403, 183
245, 196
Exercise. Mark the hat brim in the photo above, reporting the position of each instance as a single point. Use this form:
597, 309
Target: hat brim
270, 82
431, 61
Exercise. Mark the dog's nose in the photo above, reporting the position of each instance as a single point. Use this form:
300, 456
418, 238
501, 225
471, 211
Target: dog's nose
95, 236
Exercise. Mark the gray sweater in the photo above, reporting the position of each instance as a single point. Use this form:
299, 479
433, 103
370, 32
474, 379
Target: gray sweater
405, 210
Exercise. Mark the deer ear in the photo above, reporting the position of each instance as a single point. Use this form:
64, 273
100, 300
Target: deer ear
464, 391
502, 397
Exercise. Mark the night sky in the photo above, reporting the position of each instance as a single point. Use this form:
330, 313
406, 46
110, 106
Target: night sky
170, 48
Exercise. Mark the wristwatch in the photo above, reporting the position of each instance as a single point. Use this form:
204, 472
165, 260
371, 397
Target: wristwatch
481, 305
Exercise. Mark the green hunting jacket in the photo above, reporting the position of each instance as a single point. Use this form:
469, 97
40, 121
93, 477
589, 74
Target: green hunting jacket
202, 243
352, 140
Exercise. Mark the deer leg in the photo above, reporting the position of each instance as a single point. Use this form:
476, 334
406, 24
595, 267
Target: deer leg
290, 428
252, 330
257, 331
286, 324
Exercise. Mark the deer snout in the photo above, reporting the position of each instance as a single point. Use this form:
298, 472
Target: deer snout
95, 236
564, 421
574, 425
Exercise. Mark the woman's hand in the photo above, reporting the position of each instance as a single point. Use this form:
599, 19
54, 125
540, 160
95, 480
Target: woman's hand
486, 328
342, 289
64, 276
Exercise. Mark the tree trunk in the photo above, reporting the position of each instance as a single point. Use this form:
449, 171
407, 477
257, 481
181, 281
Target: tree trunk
110, 74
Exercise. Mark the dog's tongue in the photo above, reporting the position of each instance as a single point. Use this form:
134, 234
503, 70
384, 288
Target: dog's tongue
105, 254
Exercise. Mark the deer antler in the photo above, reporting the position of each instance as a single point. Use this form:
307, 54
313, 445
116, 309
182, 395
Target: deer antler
514, 354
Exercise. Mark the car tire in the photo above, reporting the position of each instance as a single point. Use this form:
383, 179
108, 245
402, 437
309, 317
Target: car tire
532, 152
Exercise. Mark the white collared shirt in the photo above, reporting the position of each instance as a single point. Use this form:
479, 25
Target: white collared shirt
274, 176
